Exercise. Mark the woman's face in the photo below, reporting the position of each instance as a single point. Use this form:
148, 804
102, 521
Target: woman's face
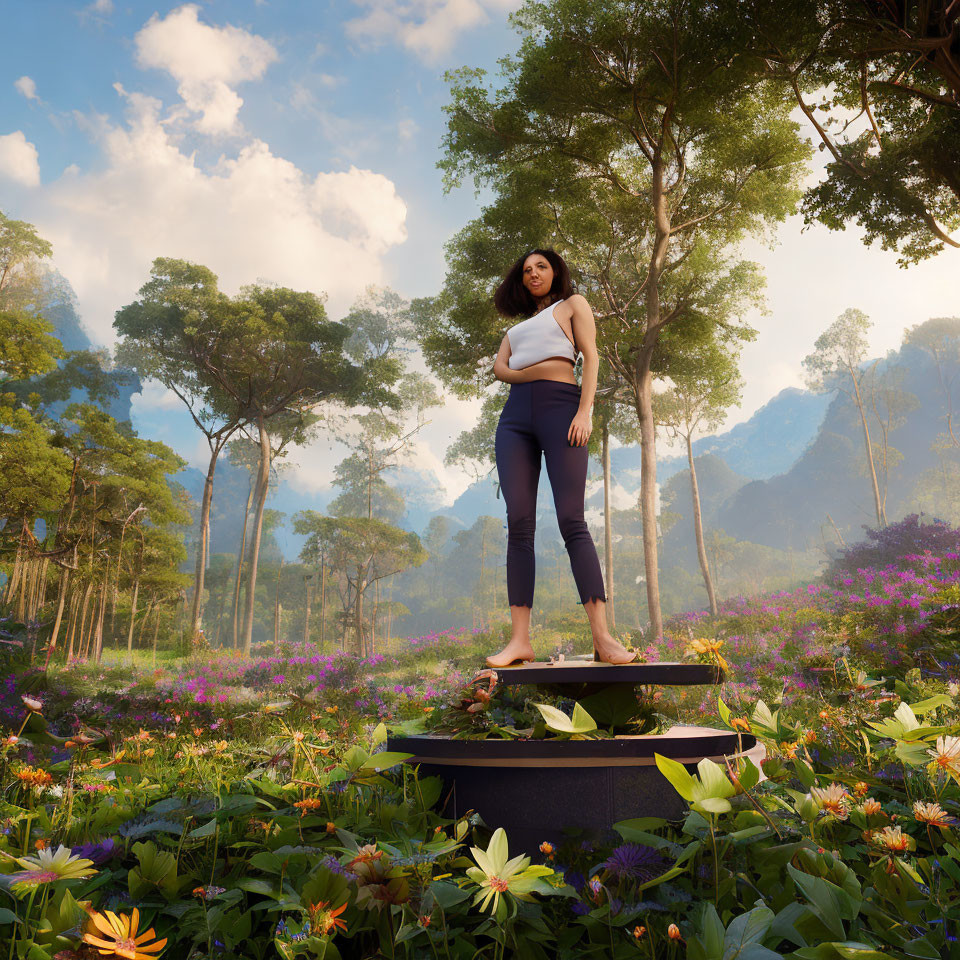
537, 275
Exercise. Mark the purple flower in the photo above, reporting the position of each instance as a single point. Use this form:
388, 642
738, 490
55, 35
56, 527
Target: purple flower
635, 861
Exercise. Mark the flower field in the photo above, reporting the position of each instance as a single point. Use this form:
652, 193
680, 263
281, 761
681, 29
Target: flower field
236, 807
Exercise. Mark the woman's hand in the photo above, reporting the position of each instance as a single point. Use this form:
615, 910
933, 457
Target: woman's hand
580, 429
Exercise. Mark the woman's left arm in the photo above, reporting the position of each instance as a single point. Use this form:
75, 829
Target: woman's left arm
585, 334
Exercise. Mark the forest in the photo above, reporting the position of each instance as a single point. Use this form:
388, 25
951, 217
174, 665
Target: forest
241, 718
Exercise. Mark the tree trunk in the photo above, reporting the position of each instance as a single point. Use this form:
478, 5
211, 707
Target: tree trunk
607, 532
698, 530
13, 582
156, 632
358, 616
323, 601
869, 448
197, 610
390, 611
133, 616
648, 492
61, 600
236, 583
276, 609
86, 627
263, 480
144, 622
103, 609
306, 614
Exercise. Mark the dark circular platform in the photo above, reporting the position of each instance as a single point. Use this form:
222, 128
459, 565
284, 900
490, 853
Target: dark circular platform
589, 671
536, 788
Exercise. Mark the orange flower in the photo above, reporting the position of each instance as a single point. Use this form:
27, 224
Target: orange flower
33, 778
931, 813
740, 723
893, 838
119, 936
673, 932
331, 827
861, 789
870, 807
309, 803
810, 736
833, 799
546, 848
323, 919
638, 932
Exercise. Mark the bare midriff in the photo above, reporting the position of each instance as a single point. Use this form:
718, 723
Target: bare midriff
553, 368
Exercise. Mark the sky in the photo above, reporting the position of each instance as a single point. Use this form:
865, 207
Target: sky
297, 143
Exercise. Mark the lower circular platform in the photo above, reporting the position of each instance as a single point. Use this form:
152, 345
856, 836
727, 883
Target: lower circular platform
535, 789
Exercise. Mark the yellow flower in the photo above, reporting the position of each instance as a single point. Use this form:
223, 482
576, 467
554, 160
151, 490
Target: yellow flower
119, 936
861, 789
834, 799
49, 866
946, 756
931, 813
710, 648
893, 838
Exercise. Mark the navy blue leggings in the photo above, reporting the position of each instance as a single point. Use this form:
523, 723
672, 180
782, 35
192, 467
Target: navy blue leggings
536, 419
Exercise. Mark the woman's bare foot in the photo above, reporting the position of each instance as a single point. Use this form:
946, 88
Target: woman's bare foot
608, 650
516, 649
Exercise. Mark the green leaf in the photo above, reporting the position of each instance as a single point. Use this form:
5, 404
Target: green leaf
678, 775
749, 928
724, 711
379, 736
383, 761
446, 895
8, 916
559, 722
207, 830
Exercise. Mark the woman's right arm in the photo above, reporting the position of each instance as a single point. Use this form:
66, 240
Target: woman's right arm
501, 367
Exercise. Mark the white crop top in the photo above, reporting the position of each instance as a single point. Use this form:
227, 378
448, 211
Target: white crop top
538, 338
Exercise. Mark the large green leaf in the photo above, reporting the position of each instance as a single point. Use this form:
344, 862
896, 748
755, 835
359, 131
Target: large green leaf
557, 721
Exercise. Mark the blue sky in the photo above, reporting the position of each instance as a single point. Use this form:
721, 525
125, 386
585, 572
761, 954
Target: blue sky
297, 142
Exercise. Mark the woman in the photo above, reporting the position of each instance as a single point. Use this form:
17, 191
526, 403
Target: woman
547, 413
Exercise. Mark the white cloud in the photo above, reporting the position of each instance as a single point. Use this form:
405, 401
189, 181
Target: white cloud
155, 396
426, 27
19, 160
250, 216
407, 128
207, 62
26, 87
102, 7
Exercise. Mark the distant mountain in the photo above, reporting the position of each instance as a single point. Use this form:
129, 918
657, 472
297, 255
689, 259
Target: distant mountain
829, 482
59, 308
767, 444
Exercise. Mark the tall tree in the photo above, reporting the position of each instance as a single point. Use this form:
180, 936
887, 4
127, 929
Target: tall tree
174, 333
704, 388
649, 111
837, 364
364, 551
288, 361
